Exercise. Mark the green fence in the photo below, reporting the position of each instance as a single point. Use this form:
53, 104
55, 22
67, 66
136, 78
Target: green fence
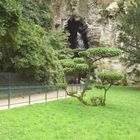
12, 96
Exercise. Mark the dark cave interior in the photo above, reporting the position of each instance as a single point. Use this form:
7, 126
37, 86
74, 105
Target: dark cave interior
77, 40
75, 28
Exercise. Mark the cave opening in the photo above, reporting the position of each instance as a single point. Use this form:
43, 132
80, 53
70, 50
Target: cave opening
78, 39
77, 34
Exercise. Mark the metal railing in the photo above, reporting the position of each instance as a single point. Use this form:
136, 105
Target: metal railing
13, 96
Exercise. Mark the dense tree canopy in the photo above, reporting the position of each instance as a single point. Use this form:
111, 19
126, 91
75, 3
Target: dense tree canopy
130, 35
37, 10
25, 46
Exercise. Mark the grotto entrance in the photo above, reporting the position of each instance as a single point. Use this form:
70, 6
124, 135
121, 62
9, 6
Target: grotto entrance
77, 29
78, 33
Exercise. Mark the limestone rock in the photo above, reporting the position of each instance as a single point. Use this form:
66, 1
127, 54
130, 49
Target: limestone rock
89, 13
113, 9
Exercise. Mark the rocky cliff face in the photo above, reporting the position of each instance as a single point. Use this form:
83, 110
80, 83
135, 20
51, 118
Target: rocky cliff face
97, 33
88, 12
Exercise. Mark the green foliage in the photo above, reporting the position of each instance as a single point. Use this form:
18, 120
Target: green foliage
104, 52
10, 13
68, 66
86, 63
58, 39
61, 85
130, 35
69, 70
120, 3
84, 54
81, 68
10, 6
35, 56
38, 11
93, 66
25, 46
104, 17
68, 63
79, 60
65, 53
109, 77
99, 86
74, 66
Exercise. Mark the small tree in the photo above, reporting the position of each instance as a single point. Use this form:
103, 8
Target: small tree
106, 80
86, 63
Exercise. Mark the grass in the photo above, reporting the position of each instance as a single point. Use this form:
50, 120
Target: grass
69, 120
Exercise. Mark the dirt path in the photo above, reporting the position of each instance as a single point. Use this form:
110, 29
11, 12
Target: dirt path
34, 98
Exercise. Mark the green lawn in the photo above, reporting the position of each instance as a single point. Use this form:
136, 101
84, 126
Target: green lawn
69, 120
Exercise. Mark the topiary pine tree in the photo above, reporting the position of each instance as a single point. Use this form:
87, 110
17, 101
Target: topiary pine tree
86, 63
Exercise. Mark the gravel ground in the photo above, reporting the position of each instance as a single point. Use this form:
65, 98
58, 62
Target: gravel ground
34, 98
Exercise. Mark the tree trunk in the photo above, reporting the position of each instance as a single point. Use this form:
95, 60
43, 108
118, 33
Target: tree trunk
104, 98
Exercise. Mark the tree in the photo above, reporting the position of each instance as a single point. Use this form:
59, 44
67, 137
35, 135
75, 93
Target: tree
130, 32
106, 80
38, 11
86, 63
25, 46
35, 56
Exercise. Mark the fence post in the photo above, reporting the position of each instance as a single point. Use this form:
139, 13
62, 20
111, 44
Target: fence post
9, 93
71, 87
77, 87
9, 96
65, 94
29, 98
80, 87
46, 94
57, 93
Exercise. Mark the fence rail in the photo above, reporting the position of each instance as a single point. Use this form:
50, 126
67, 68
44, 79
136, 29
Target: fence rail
13, 96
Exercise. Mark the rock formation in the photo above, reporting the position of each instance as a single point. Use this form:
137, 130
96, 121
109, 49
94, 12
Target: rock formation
93, 30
